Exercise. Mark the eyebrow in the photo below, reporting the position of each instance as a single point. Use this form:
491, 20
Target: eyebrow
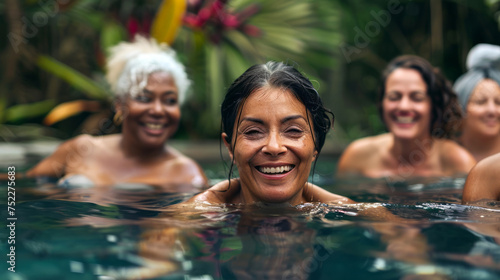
284, 120
166, 92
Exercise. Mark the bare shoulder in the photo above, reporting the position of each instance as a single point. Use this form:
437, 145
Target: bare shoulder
55, 164
186, 167
223, 192
314, 193
77, 142
483, 181
358, 154
454, 158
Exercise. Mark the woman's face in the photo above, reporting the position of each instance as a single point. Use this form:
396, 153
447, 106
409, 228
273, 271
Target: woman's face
152, 117
483, 110
274, 147
406, 104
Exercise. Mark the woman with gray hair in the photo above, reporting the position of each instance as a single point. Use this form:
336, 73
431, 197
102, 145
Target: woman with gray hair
149, 84
478, 91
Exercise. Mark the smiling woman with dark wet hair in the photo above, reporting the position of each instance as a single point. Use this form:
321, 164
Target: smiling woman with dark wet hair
422, 114
274, 126
149, 85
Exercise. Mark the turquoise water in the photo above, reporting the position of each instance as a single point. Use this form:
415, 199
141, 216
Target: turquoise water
121, 233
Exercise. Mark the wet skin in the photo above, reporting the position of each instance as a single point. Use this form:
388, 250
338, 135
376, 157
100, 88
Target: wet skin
272, 147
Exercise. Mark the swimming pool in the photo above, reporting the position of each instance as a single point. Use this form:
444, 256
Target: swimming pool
118, 232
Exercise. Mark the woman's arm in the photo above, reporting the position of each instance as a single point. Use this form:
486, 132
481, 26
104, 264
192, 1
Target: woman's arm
55, 164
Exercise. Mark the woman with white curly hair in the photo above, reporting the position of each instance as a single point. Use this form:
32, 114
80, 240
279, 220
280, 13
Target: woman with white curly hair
149, 85
478, 91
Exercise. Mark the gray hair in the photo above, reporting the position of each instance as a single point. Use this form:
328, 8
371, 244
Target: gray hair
483, 62
130, 64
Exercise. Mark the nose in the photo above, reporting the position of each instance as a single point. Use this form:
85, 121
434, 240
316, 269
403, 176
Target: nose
404, 104
492, 107
274, 145
157, 108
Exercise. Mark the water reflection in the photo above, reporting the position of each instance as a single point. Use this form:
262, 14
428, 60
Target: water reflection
117, 233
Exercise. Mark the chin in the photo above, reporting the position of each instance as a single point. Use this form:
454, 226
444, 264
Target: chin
272, 197
153, 144
489, 133
404, 135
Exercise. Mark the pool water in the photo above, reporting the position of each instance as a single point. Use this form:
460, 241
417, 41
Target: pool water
118, 233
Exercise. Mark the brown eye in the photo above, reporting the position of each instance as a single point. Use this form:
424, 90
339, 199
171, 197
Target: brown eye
252, 133
295, 131
418, 97
481, 101
392, 96
142, 98
171, 101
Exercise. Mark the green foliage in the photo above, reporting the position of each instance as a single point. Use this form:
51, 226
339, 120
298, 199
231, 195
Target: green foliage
20, 112
64, 60
112, 33
294, 31
84, 84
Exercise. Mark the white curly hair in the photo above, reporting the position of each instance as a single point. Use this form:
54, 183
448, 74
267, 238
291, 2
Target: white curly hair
130, 63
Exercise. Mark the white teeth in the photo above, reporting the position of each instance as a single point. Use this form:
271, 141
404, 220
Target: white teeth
153, 126
405, 119
275, 170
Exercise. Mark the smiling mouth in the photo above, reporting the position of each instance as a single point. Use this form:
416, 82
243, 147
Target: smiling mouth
405, 120
154, 126
276, 169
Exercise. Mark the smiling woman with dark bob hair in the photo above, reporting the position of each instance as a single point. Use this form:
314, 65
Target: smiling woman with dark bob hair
421, 112
274, 126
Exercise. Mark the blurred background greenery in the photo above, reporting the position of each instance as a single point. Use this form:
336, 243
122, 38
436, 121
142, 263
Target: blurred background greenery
53, 53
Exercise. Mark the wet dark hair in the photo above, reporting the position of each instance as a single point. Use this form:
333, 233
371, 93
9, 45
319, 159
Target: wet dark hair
276, 75
446, 112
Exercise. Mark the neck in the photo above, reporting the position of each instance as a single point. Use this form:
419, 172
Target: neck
132, 149
480, 147
247, 198
411, 151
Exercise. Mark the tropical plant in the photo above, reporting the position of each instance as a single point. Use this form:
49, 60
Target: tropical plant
60, 64
218, 40
221, 39
27, 50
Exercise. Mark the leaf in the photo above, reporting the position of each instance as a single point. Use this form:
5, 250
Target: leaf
168, 19
68, 109
214, 72
243, 44
236, 64
2, 108
112, 33
73, 77
83, 11
26, 111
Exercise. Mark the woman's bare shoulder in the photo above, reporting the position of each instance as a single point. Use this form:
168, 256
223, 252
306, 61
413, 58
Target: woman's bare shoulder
185, 166
483, 181
222, 192
360, 153
455, 158
313, 193
55, 164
